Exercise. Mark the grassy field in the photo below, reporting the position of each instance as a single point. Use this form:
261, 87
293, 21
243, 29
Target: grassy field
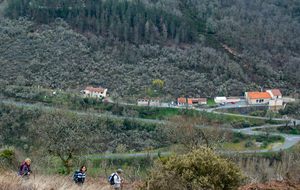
211, 102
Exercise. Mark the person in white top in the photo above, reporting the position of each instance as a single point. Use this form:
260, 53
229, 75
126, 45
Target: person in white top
118, 180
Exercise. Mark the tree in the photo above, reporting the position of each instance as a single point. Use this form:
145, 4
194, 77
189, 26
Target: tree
66, 135
189, 133
199, 169
268, 129
270, 114
158, 82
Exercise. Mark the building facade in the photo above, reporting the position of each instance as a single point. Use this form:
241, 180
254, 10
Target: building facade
94, 92
143, 102
154, 102
181, 101
275, 93
258, 97
197, 101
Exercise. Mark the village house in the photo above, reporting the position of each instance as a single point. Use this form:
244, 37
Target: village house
94, 92
196, 101
154, 102
181, 101
275, 93
258, 97
143, 102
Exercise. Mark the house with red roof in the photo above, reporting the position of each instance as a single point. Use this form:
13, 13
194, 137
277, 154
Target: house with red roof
258, 97
275, 93
95, 92
195, 101
181, 101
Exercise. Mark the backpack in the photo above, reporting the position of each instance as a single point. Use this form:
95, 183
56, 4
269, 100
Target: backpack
20, 170
75, 176
111, 178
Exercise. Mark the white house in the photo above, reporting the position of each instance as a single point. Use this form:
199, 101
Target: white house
94, 92
154, 102
143, 102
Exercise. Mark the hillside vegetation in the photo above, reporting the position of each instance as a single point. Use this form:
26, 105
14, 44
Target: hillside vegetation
196, 48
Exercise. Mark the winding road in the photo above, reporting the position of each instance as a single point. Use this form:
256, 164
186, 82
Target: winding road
290, 140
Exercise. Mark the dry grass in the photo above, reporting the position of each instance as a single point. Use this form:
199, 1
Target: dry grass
9, 181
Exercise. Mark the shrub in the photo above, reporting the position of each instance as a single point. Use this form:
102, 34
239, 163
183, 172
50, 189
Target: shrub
237, 140
294, 131
249, 144
199, 169
241, 135
265, 144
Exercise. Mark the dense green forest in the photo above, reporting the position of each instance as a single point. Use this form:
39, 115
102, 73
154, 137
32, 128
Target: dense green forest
124, 20
197, 48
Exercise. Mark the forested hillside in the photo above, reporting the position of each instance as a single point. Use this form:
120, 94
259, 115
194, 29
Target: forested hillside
197, 48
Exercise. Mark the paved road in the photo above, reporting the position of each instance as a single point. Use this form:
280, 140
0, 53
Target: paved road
290, 140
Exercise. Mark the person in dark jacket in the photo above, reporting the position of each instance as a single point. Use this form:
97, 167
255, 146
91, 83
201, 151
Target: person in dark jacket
81, 176
26, 171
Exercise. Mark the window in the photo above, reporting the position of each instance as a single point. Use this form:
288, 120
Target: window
256, 100
262, 100
101, 92
142, 100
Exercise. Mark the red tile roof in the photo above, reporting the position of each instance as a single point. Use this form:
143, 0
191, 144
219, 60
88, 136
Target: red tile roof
181, 100
276, 92
191, 100
260, 95
95, 89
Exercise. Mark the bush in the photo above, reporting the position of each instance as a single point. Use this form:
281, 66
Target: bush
265, 144
237, 140
294, 131
249, 144
241, 135
199, 169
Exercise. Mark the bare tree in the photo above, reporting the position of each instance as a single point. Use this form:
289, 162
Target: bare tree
65, 135
270, 114
191, 135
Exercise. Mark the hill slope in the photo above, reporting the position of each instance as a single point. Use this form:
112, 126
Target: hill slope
128, 48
